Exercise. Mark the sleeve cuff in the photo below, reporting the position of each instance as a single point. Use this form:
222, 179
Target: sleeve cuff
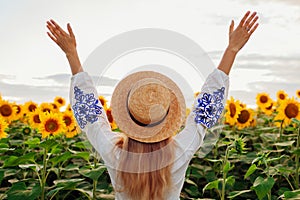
79, 75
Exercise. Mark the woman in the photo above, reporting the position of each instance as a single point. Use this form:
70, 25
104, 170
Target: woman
149, 161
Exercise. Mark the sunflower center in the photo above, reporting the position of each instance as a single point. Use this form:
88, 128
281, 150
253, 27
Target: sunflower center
54, 106
263, 99
270, 107
32, 107
26, 130
298, 93
243, 116
281, 96
67, 120
109, 116
18, 109
46, 110
291, 110
60, 101
232, 109
5, 110
102, 101
36, 119
51, 125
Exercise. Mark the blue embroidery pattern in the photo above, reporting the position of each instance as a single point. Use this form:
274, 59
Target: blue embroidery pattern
86, 109
209, 108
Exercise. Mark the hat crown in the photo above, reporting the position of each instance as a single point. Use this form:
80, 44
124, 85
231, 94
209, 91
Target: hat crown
149, 101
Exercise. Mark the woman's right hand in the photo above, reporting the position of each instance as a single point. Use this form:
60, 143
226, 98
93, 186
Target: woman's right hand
66, 41
239, 36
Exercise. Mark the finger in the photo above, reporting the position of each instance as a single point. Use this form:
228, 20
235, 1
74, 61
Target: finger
70, 30
50, 26
54, 31
244, 19
231, 27
253, 29
252, 22
249, 19
52, 37
58, 27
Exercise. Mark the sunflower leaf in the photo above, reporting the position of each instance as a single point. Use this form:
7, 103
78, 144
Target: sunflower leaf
93, 174
216, 184
284, 144
48, 144
250, 171
262, 186
237, 193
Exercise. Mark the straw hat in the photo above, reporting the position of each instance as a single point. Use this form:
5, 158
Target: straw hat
148, 106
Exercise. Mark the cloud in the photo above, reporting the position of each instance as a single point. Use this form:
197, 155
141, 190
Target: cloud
282, 68
270, 73
290, 2
65, 79
58, 85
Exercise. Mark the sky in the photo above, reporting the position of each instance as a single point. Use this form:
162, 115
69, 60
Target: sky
32, 67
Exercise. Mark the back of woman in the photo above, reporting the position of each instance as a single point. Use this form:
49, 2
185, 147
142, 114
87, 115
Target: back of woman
149, 161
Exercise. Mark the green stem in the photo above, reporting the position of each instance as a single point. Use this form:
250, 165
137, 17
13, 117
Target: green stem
94, 189
268, 175
43, 180
280, 131
224, 174
297, 160
289, 182
94, 182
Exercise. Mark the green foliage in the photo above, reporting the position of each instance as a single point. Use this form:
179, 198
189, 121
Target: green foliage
253, 163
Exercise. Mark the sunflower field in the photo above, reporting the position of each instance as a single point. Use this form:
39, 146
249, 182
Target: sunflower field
43, 154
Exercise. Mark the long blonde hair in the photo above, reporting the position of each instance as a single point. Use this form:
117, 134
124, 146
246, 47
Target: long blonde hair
148, 185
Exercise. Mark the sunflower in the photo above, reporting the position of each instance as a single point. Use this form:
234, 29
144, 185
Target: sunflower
269, 110
55, 107
69, 120
72, 133
263, 100
103, 102
253, 123
187, 112
7, 111
30, 106
51, 124
46, 107
19, 111
288, 109
34, 118
297, 93
26, 130
233, 110
110, 118
68, 108
3, 126
59, 101
281, 96
196, 94
245, 118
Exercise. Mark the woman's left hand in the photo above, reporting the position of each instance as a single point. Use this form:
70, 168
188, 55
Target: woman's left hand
238, 37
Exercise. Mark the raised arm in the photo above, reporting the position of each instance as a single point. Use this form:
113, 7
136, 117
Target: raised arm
67, 42
88, 111
237, 39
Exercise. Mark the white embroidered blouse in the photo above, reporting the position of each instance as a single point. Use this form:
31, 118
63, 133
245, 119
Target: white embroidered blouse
92, 119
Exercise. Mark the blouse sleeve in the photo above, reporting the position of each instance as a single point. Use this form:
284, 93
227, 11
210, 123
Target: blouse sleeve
91, 116
207, 109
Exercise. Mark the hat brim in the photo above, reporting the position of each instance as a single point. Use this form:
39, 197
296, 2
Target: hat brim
148, 134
